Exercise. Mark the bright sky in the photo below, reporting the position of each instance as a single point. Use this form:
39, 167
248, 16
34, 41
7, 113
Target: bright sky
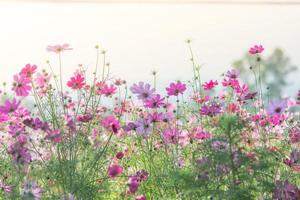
143, 37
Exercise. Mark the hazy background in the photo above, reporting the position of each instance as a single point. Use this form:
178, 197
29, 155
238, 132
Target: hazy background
143, 37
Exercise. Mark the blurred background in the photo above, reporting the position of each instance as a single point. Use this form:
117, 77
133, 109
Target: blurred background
142, 36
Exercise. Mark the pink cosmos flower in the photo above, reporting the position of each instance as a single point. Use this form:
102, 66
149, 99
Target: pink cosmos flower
76, 82
108, 90
3, 117
28, 70
298, 98
58, 48
21, 85
154, 102
114, 171
10, 106
210, 85
256, 49
175, 89
200, 134
42, 79
171, 136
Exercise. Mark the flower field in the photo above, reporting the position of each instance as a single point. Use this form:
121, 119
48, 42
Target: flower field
95, 137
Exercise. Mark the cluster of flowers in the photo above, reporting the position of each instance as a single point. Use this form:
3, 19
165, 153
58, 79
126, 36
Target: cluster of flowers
86, 144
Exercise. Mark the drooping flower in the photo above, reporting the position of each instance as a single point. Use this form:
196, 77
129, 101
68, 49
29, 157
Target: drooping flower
21, 85
76, 82
114, 171
256, 49
155, 102
108, 90
58, 48
210, 85
232, 74
28, 70
142, 90
111, 123
276, 107
9, 106
175, 89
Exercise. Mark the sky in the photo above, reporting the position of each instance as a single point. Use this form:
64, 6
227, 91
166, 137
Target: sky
140, 38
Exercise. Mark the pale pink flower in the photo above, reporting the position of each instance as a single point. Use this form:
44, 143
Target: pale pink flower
58, 48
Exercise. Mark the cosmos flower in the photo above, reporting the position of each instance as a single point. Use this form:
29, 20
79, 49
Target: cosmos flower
143, 127
232, 74
298, 98
108, 90
210, 85
175, 89
28, 70
155, 117
210, 110
155, 102
54, 136
171, 135
58, 48
42, 79
256, 49
10, 106
76, 82
142, 90
114, 171
276, 107
3, 117
200, 134
21, 85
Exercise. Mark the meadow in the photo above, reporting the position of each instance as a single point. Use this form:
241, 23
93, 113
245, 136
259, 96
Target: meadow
95, 137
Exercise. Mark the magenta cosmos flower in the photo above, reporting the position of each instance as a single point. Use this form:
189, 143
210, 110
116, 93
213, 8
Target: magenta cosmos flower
58, 48
175, 89
21, 85
256, 49
76, 82
114, 171
9, 106
154, 102
210, 85
28, 70
108, 90
142, 90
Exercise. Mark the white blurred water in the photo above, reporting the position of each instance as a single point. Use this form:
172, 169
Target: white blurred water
143, 37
